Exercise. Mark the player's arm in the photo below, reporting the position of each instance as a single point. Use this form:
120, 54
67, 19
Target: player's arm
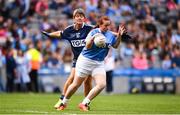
56, 34
115, 33
119, 36
89, 42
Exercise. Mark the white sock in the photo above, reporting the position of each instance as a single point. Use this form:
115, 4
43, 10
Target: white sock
65, 100
86, 101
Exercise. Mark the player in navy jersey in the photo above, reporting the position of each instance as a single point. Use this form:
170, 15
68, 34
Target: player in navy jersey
91, 62
76, 35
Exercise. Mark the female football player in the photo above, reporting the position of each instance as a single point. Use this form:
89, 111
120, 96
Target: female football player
76, 35
91, 62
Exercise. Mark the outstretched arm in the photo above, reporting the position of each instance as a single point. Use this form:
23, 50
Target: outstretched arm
119, 35
56, 34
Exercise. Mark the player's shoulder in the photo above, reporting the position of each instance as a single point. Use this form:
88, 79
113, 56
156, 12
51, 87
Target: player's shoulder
95, 30
70, 27
88, 26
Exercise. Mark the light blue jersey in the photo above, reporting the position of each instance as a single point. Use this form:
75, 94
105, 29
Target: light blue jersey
96, 53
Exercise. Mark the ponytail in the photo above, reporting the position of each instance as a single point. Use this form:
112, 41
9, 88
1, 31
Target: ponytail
96, 26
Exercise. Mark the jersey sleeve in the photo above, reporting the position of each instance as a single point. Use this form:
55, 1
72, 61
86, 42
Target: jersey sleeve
63, 34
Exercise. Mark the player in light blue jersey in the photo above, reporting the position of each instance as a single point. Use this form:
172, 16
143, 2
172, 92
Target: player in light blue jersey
91, 62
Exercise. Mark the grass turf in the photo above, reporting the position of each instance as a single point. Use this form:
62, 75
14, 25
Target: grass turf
103, 104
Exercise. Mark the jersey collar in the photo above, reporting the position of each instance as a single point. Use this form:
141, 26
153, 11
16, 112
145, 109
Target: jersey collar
81, 27
101, 31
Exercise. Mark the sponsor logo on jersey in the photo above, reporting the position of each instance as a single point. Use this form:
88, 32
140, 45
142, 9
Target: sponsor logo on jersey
78, 43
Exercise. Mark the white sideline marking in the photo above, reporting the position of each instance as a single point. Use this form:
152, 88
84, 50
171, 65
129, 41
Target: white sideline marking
31, 111
43, 112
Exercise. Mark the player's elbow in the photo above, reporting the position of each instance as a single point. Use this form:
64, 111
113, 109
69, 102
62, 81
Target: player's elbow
56, 34
88, 46
115, 46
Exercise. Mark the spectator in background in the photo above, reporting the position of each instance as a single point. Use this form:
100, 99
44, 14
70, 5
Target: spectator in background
91, 6
42, 8
92, 17
171, 5
166, 62
176, 37
140, 61
53, 61
109, 67
35, 58
126, 54
23, 32
25, 7
23, 69
140, 12
14, 31
176, 57
125, 9
45, 25
2, 59
13, 9
3, 30
10, 70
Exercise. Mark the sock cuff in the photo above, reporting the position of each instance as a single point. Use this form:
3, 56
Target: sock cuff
65, 100
86, 101
61, 97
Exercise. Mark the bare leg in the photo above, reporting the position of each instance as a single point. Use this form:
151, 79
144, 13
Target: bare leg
100, 81
71, 90
69, 81
66, 85
87, 85
74, 86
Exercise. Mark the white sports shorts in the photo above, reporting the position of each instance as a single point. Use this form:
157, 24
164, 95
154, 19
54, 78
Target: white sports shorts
86, 67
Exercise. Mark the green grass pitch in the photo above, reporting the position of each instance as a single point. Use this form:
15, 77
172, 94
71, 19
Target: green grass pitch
103, 104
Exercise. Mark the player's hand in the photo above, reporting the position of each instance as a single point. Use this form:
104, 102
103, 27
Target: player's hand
45, 33
121, 30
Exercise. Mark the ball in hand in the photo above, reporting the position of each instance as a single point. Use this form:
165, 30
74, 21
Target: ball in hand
100, 40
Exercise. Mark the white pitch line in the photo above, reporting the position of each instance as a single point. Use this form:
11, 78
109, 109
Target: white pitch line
63, 113
31, 111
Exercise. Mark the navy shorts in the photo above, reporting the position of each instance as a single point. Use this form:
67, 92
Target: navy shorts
74, 63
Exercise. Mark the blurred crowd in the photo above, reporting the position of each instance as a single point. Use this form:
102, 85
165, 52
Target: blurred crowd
154, 26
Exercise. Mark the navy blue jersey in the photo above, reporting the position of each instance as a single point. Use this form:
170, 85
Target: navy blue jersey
76, 38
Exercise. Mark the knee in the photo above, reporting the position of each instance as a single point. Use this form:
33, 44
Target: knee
102, 85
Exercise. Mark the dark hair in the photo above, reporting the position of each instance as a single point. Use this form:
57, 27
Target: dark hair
101, 21
78, 11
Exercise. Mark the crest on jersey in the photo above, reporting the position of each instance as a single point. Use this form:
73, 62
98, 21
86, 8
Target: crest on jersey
77, 35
